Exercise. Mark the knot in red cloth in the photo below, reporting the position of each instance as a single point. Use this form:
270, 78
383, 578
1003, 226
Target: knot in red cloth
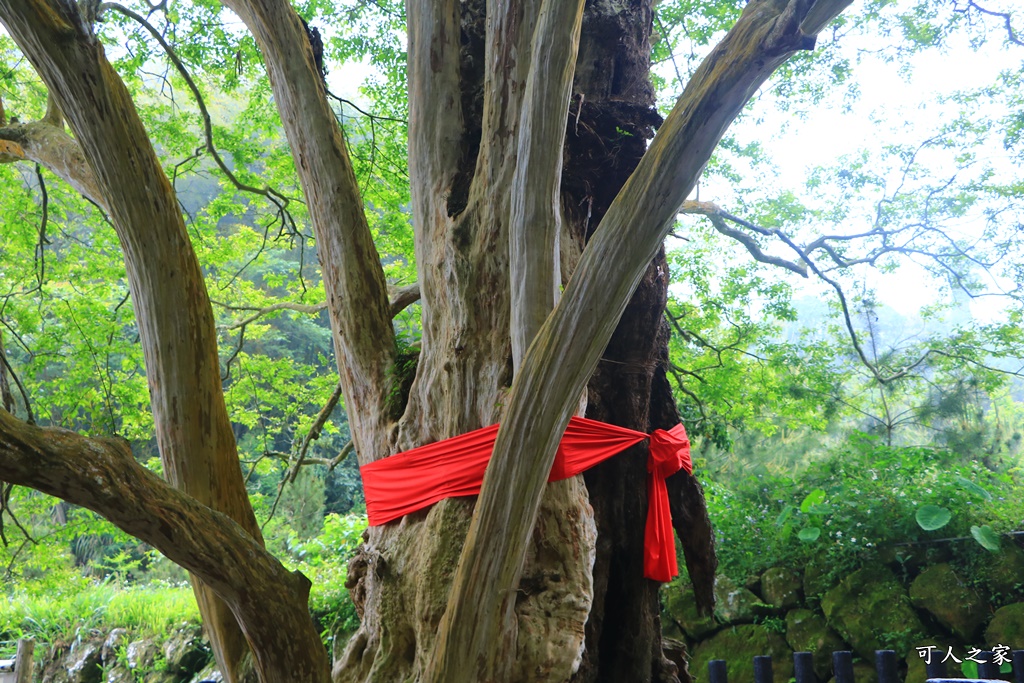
669, 452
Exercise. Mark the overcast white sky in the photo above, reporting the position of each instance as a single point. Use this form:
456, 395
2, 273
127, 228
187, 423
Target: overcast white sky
890, 109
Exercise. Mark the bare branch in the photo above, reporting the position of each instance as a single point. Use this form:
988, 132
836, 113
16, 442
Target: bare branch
279, 200
717, 216
401, 298
1011, 35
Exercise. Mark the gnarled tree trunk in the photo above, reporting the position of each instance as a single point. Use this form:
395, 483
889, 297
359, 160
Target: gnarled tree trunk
527, 140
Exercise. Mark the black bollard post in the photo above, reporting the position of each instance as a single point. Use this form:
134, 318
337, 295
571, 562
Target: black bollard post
987, 668
762, 669
803, 665
717, 672
842, 664
1018, 666
885, 665
937, 669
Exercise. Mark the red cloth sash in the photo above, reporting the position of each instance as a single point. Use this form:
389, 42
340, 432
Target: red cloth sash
417, 478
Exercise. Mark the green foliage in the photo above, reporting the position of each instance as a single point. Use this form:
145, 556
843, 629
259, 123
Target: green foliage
862, 496
57, 610
933, 517
324, 560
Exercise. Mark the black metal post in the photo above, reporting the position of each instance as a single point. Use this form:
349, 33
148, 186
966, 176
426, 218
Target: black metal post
717, 672
842, 663
762, 669
987, 668
803, 665
885, 665
1018, 666
937, 669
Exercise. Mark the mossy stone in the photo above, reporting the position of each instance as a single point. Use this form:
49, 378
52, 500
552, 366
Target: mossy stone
816, 576
955, 605
806, 631
738, 646
781, 587
83, 663
1004, 573
1007, 627
871, 611
680, 616
734, 604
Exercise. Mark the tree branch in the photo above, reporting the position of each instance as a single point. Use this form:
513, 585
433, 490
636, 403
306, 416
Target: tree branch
352, 273
535, 221
401, 298
717, 216
279, 200
102, 475
49, 146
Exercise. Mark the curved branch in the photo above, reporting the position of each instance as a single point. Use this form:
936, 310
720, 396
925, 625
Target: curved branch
49, 146
102, 475
401, 299
717, 216
276, 198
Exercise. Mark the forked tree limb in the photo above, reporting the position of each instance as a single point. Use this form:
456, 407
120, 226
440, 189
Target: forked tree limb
566, 350
357, 300
102, 475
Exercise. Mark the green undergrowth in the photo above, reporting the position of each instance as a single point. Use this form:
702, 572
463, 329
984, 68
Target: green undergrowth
57, 611
63, 603
860, 502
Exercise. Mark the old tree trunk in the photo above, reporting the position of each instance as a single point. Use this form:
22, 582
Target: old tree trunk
529, 122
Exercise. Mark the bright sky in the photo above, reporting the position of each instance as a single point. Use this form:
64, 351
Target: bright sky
891, 108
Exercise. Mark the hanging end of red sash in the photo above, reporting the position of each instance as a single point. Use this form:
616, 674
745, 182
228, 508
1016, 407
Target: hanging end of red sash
669, 453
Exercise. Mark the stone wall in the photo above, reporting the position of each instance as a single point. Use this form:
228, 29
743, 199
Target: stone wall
117, 657
904, 604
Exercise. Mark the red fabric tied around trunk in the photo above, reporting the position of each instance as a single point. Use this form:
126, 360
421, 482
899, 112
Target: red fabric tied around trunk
417, 478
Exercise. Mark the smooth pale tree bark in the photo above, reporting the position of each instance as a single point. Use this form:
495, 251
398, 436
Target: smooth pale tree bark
536, 221
172, 308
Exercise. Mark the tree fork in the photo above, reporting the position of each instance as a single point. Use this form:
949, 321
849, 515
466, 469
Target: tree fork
566, 350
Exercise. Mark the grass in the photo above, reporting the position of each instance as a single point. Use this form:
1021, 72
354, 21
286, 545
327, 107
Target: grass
56, 615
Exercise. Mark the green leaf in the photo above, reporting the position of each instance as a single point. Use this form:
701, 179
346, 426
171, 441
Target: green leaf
809, 534
932, 517
988, 538
815, 497
974, 488
786, 513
